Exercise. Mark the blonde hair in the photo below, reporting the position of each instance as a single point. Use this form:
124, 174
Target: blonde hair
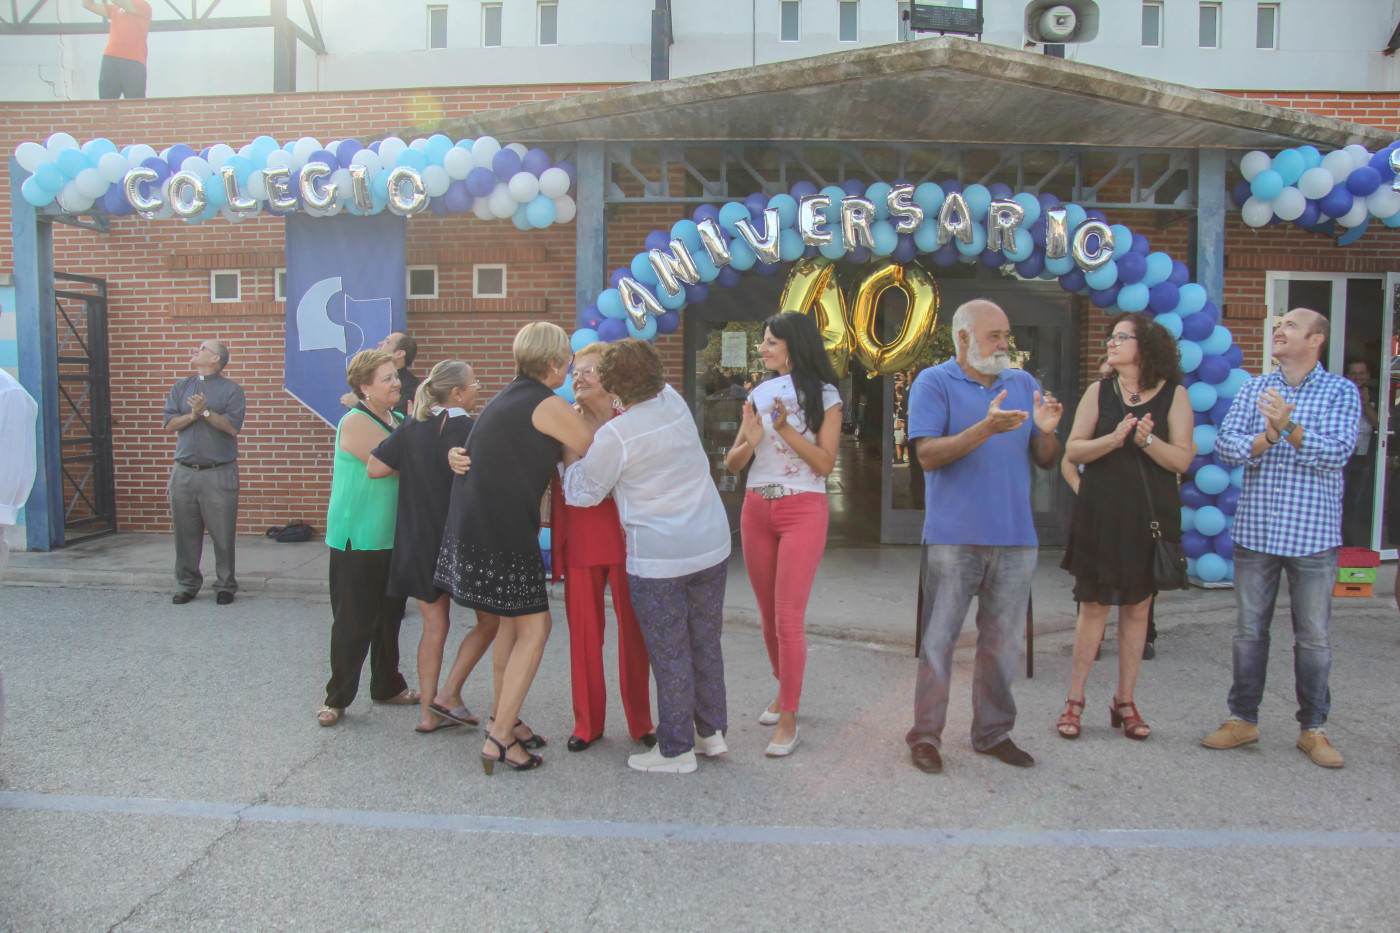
445, 376
539, 347
596, 348
360, 372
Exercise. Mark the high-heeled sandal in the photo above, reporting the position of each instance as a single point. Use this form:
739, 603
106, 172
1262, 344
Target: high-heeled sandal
1133, 726
534, 741
488, 763
1068, 726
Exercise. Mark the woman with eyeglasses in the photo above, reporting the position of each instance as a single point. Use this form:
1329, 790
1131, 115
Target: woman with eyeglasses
1136, 423
417, 454
589, 550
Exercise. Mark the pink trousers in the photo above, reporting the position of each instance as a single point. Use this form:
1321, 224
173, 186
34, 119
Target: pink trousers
783, 544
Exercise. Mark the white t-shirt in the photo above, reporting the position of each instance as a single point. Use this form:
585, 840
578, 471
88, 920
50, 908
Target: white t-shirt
774, 461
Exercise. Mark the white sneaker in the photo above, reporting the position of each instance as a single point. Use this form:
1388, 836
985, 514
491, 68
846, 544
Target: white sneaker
712, 747
653, 760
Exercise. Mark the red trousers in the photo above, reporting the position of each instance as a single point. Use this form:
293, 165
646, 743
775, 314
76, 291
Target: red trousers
583, 601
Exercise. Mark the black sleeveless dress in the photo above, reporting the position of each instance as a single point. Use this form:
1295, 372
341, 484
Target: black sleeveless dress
490, 557
1110, 545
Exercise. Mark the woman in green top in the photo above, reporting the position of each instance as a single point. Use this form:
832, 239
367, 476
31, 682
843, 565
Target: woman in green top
360, 532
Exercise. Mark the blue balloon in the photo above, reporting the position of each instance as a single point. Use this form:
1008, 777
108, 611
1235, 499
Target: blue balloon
1192, 497
1336, 202
906, 250
1105, 276
1210, 521
1204, 436
589, 317
729, 276
1188, 519
610, 306
612, 330
1171, 323
1190, 355
1032, 267
735, 211
642, 270
1211, 480
504, 164
669, 322
325, 157
1073, 281
1131, 266
582, 338
1141, 244
1310, 216
1105, 297
1211, 567
1181, 273
345, 151
1234, 355
1364, 181
1224, 545
1195, 544
1218, 342
481, 182
1164, 297
978, 199
1220, 409
1197, 326
1159, 269
1240, 193
1132, 297
999, 190
694, 294
1267, 185
1197, 462
991, 258
756, 203
853, 187
1213, 369
1229, 500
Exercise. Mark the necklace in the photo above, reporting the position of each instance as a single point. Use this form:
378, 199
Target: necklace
1134, 398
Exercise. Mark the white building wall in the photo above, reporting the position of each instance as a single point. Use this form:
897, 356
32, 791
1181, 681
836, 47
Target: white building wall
1324, 45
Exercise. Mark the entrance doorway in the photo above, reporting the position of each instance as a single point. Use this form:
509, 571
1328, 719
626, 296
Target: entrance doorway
85, 408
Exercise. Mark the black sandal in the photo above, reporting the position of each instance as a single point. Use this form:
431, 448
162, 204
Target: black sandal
534, 741
488, 763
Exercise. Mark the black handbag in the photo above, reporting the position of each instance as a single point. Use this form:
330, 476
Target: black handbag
293, 531
1168, 558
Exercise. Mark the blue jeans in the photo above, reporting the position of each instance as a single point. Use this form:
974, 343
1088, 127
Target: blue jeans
1310, 579
1000, 578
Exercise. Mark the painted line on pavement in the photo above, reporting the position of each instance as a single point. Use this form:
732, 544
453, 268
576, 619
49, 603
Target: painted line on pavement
683, 832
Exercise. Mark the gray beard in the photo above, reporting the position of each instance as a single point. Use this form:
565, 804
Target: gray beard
986, 365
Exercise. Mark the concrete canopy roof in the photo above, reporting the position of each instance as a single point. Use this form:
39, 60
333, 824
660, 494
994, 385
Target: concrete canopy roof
944, 90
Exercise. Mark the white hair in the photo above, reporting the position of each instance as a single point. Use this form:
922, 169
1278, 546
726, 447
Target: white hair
962, 318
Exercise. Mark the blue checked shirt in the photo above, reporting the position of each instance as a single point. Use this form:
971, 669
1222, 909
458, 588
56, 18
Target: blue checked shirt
1291, 501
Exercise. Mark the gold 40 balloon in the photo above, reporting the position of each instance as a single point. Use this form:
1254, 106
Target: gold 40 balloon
850, 332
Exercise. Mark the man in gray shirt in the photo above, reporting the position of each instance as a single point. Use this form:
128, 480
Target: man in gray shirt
205, 411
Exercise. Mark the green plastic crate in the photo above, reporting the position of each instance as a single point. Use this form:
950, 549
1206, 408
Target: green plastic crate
1356, 574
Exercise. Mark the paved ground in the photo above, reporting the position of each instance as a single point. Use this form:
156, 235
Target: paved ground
161, 770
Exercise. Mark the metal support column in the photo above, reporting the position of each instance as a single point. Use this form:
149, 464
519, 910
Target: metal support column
31, 242
1210, 223
284, 50
590, 224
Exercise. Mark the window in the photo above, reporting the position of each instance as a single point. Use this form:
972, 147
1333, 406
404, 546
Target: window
223, 285
788, 30
488, 281
490, 25
279, 284
850, 21
437, 27
1266, 27
1152, 24
549, 23
422, 281
1210, 26
905, 33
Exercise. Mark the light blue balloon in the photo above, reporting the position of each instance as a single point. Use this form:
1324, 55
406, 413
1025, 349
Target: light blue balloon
521, 217
1203, 396
437, 147
1210, 521
1267, 185
833, 250
790, 246
1024, 246
1159, 269
1193, 298
379, 185
1188, 519
670, 302
1237, 477
1170, 320
1289, 165
1392, 221
642, 270
1211, 567
1132, 297
741, 255
1211, 479
1191, 568
1218, 341
260, 148
97, 148
610, 304
49, 177
930, 197
1122, 238
1312, 158
729, 215
1103, 277
978, 244
566, 392
72, 161
1190, 354
645, 333
705, 266
785, 204
1063, 265
1233, 383
1074, 216
582, 338
413, 159
833, 210
882, 231
1204, 435
1031, 205
243, 168
978, 199
877, 193
214, 193
32, 193
688, 233
540, 210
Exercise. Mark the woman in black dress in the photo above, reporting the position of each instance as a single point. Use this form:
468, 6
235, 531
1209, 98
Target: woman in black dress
490, 559
1140, 416
417, 452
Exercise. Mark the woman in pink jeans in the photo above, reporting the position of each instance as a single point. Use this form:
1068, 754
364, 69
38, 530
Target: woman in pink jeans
790, 430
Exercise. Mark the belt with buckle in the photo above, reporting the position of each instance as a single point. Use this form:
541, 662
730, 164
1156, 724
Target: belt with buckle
201, 466
774, 491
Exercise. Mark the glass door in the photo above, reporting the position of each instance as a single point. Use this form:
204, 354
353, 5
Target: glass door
1387, 454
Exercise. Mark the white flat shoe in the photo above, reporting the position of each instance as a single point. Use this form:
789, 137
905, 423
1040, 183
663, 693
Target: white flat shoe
775, 750
766, 718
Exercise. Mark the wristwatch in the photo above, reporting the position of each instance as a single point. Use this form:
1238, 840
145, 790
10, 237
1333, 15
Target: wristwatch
206, 413
1148, 443
1288, 428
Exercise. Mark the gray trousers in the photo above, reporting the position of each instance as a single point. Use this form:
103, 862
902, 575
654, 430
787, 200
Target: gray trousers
200, 500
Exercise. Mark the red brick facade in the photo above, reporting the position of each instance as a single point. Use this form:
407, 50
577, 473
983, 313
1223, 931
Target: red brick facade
158, 278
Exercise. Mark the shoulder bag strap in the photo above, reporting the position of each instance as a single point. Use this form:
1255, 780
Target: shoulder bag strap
1155, 528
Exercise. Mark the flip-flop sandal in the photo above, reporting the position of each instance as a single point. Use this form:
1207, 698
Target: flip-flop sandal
445, 724
328, 715
460, 715
406, 698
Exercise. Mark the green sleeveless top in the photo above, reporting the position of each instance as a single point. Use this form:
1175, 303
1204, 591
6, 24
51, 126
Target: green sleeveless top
362, 510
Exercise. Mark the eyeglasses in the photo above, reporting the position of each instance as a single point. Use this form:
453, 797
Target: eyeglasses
589, 371
471, 385
203, 349
1116, 340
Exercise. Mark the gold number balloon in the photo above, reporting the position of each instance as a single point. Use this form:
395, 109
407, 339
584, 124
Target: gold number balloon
812, 289
921, 291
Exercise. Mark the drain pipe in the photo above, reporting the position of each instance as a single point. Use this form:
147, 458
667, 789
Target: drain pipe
661, 40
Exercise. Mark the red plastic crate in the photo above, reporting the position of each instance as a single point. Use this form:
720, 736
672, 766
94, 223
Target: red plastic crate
1358, 557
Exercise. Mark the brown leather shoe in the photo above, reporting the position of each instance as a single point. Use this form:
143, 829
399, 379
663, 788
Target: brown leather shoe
1314, 744
1234, 733
926, 758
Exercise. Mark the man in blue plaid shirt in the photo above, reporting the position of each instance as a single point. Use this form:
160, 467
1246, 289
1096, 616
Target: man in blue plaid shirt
1293, 429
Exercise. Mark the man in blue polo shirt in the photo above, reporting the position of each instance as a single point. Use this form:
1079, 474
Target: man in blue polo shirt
976, 427
1294, 430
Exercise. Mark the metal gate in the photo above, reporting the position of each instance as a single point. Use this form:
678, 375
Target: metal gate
85, 407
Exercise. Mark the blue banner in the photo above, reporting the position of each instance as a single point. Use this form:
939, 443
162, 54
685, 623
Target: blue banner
346, 291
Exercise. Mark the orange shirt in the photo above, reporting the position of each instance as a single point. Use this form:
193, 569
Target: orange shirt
126, 37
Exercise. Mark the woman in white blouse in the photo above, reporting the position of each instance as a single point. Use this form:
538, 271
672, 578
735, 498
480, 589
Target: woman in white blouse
790, 430
652, 460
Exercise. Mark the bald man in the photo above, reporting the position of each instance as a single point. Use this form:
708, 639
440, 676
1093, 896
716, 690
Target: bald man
1293, 430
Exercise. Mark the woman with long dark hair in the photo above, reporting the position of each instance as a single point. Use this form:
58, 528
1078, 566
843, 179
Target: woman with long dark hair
790, 429
1136, 424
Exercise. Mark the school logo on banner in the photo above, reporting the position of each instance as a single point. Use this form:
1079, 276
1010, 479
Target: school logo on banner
346, 292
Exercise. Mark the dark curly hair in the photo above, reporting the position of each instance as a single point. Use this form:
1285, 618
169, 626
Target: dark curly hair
811, 367
1159, 359
631, 370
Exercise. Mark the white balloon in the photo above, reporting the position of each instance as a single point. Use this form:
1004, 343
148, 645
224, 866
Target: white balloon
219, 154
519, 149
523, 187
390, 149
435, 180
554, 182
1253, 163
1384, 203
1256, 213
257, 187
1359, 154
1316, 182
484, 150
1338, 165
502, 204
245, 150
564, 209
1356, 216
112, 166
1290, 204
165, 153
229, 214
370, 160
279, 158
91, 184
481, 207
420, 144
59, 142
140, 153
458, 163
303, 148
32, 155
71, 199
197, 166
